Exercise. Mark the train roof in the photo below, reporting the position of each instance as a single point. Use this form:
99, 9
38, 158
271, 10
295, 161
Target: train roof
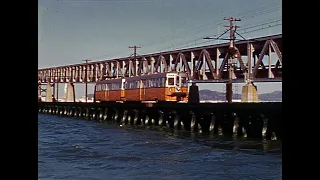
148, 76
118, 80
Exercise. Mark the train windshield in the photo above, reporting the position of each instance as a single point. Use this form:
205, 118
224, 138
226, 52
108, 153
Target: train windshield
170, 81
177, 80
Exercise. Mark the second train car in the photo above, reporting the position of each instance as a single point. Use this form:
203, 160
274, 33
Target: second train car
161, 87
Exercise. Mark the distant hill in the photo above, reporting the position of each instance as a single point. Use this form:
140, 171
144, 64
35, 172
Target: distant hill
221, 96
274, 96
206, 94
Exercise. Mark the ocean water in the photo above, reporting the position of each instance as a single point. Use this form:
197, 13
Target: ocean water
78, 149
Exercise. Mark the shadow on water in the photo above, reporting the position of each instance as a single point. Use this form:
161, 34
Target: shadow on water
247, 145
252, 146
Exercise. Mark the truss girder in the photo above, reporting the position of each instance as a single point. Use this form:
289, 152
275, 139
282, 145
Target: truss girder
210, 62
182, 64
259, 61
204, 57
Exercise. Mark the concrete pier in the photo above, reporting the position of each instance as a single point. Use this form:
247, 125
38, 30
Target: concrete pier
249, 93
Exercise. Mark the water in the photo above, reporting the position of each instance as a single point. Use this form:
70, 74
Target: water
77, 149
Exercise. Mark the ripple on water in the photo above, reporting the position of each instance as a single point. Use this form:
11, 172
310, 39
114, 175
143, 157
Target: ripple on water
77, 149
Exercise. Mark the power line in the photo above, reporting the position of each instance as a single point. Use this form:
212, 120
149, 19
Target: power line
209, 25
185, 44
245, 15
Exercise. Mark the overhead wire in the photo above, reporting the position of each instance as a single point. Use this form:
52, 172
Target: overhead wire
207, 26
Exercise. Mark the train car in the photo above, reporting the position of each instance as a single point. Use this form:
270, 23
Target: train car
169, 86
109, 90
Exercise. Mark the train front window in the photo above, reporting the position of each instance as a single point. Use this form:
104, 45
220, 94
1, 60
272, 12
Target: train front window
170, 81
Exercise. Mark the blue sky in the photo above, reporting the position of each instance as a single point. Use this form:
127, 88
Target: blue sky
73, 30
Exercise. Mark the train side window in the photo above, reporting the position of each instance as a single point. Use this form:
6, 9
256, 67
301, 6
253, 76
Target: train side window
184, 82
170, 81
155, 82
158, 82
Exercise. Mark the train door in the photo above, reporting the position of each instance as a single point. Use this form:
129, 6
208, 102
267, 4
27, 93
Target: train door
107, 92
177, 82
122, 91
170, 87
143, 90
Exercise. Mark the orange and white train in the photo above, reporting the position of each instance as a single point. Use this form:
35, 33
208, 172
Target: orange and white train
161, 87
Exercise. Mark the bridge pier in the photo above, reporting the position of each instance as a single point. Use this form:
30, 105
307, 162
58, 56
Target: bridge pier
185, 118
93, 114
273, 130
121, 115
194, 125
141, 117
249, 93
193, 96
236, 126
153, 116
135, 115
110, 114
49, 93
229, 120
205, 121
100, 114
131, 115
161, 121
169, 115
70, 93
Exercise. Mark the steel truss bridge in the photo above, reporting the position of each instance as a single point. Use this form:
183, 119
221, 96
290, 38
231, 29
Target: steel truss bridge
203, 64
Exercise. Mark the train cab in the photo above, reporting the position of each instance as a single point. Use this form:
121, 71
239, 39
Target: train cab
177, 86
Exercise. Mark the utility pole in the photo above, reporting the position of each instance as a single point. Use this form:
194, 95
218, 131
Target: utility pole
134, 50
231, 47
86, 75
135, 56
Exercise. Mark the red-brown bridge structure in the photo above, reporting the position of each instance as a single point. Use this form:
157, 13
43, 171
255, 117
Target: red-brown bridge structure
254, 59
